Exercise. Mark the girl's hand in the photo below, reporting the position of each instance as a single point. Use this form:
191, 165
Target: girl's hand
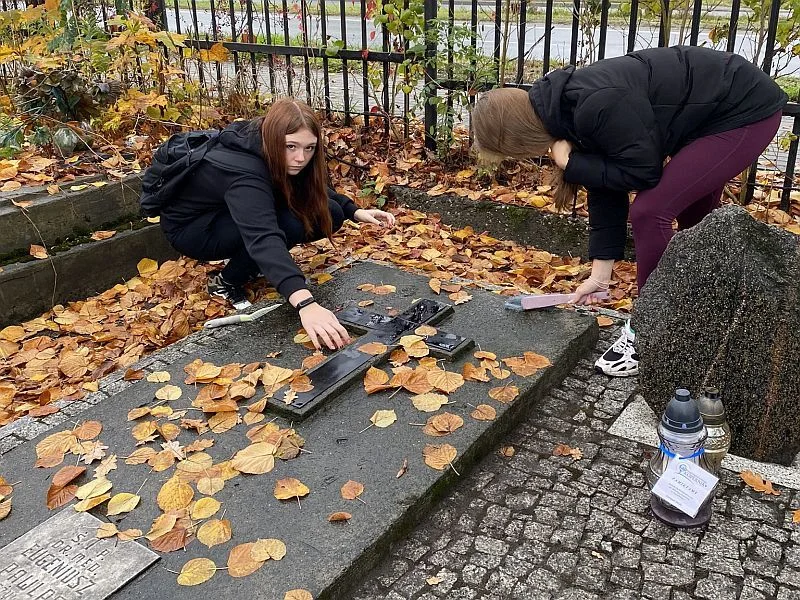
322, 326
559, 152
582, 295
374, 216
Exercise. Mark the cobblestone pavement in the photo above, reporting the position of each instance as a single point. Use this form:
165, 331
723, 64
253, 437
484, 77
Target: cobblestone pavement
536, 526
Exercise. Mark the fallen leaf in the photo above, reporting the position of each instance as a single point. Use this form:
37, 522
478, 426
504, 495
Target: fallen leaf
169, 392
171, 541
472, 373
312, 361
67, 475
460, 297
197, 571
38, 252
266, 549
339, 516
133, 375
383, 418
383, 290
484, 412
352, 490
403, 469
240, 561
256, 459
90, 503
174, 495
290, 487
375, 380
147, 266
504, 394
439, 457
103, 235
88, 430
298, 594
429, 402
604, 321
507, 451
446, 381
95, 487
435, 285
129, 535
425, 330
5, 508
122, 503
214, 532
373, 348
158, 377
758, 483
442, 424
433, 581
365, 303
106, 530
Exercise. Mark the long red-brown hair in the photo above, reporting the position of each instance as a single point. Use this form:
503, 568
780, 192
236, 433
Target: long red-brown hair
307, 192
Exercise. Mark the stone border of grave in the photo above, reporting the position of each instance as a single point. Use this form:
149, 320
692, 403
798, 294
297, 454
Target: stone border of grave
560, 234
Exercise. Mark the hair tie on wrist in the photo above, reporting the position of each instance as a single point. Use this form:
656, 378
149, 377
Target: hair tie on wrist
600, 284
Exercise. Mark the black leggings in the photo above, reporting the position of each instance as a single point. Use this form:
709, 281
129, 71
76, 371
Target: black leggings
215, 236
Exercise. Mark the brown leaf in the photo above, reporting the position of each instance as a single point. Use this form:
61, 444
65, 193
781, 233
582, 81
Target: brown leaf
58, 496
214, 532
439, 457
429, 402
442, 424
399, 357
604, 321
298, 594
445, 381
240, 561
375, 380
504, 393
131, 375
383, 290
290, 487
309, 362
484, 412
88, 430
507, 451
758, 483
472, 373
460, 297
5, 508
480, 354
564, 450
403, 469
365, 303
103, 235
435, 285
352, 490
67, 475
171, 541
373, 348
256, 459
339, 516
38, 252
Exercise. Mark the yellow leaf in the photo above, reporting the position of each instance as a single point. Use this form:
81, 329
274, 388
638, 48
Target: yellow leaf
78, 188
205, 508
169, 392
12, 333
507, 451
365, 303
214, 532
256, 459
375, 380
162, 525
129, 534
268, 549
210, 485
383, 418
339, 516
122, 503
429, 402
174, 495
106, 530
302, 338
382, 290
240, 561
90, 503
10, 186
439, 457
290, 488
352, 490
217, 53
158, 377
147, 266
425, 330
480, 354
435, 285
442, 424
298, 594
197, 571
95, 487
140, 456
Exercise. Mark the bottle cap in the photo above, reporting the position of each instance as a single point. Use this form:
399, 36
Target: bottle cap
682, 414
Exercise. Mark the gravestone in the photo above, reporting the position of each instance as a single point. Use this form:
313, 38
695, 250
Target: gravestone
322, 557
63, 559
341, 368
722, 310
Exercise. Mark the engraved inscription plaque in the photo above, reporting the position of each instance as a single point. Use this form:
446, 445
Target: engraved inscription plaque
62, 559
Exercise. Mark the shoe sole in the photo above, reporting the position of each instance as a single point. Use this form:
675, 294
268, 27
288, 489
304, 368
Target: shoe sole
632, 373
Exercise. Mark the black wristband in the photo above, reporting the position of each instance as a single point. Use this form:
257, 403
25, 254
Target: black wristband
305, 302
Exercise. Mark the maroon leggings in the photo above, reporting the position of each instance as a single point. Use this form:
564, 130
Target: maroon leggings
691, 187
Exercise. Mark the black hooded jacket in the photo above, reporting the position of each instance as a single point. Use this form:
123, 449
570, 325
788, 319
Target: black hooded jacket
233, 176
625, 115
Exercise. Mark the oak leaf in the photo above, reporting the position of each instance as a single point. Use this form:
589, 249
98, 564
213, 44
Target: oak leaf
240, 561
197, 571
439, 457
352, 490
214, 532
758, 483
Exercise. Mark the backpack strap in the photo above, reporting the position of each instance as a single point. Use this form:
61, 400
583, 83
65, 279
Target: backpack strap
233, 160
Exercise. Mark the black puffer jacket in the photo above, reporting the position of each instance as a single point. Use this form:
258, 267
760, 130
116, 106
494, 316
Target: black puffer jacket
625, 115
234, 176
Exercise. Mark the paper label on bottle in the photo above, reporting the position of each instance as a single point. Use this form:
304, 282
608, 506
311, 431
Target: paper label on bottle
685, 486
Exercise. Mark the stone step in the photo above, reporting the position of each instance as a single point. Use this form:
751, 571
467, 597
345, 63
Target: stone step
324, 558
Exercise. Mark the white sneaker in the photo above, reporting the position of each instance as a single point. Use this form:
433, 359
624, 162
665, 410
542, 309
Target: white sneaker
621, 359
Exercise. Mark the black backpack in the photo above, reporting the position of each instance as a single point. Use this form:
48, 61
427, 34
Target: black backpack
172, 162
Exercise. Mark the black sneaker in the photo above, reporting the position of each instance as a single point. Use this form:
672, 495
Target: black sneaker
217, 286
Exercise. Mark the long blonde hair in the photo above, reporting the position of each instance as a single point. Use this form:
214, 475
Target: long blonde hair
505, 124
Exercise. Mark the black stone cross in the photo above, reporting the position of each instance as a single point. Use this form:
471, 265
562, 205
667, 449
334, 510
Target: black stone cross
339, 369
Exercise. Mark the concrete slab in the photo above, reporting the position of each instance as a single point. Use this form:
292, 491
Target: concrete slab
325, 558
638, 422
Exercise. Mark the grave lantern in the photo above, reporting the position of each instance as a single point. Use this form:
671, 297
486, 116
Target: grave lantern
679, 475
718, 441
